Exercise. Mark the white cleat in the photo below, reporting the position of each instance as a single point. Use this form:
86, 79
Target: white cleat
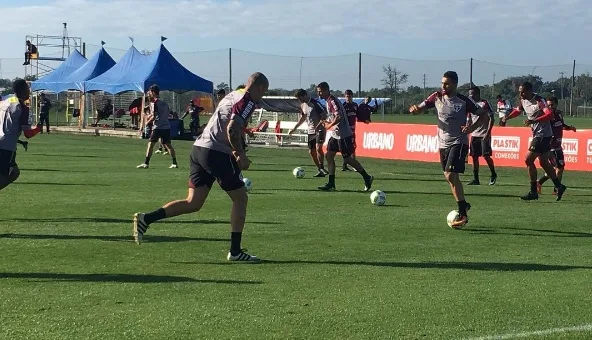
157, 152
173, 166
142, 166
243, 258
165, 153
139, 228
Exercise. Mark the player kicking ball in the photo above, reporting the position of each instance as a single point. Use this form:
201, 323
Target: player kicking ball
453, 108
218, 155
539, 118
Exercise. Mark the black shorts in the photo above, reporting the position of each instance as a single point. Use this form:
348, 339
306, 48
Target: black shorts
316, 139
343, 145
481, 146
540, 145
354, 141
453, 158
207, 166
557, 159
7, 161
163, 134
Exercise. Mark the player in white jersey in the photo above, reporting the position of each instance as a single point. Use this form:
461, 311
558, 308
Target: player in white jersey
538, 117
218, 155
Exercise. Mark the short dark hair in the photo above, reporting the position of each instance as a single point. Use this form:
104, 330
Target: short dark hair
475, 88
452, 76
155, 89
526, 85
221, 91
323, 85
349, 92
19, 86
300, 93
553, 99
499, 96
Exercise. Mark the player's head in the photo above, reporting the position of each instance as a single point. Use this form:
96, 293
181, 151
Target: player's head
367, 99
257, 85
323, 90
499, 98
191, 103
153, 92
220, 94
42, 95
21, 89
449, 82
475, 92
302, 95
349, 96
525, 90
552, 103
28, 42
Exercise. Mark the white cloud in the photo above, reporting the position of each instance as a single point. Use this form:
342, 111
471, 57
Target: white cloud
361, 18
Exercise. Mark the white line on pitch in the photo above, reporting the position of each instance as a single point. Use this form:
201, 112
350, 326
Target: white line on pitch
582, 328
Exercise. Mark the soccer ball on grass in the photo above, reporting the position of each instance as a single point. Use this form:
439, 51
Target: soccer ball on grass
298, 172
452, 217
378, 197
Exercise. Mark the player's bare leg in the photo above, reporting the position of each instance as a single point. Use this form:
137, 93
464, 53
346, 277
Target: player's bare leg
315, 158
491, 166
550, 171
458, 192
193, 203
321, 158
13, 175
149, 152
238, 215
330, 186
360, 169
171, 150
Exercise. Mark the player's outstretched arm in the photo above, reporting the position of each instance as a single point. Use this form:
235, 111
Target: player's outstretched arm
30, 132
300, 121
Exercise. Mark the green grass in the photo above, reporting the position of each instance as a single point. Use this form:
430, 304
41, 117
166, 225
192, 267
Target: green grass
336, 267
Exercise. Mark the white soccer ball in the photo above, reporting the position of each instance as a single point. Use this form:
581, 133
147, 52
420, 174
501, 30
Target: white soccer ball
378, 197
298, 172
452, 217
248, 184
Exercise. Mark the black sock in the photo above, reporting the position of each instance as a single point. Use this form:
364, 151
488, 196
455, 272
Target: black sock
331, 179
557, 182
364, 174
175, 160
147, 160
476, 175
154, 216
543, 179
235, 243
533, 187
462, 208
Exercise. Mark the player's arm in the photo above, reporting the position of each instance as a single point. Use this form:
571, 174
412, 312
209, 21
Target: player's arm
481, 113
491, 118
565, 126
429, 103
547, 115
334, 111
28, 131
300, 121
241, 112
514, 113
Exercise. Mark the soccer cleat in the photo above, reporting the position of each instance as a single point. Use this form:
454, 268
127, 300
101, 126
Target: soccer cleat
173, 166
539, 188
140, 227
165, 153
243, 257
345, 168
493, 179
325, 171
531, 196
158, 152
26, 146
142, 166
560, 192
461, 222
327, 187
474, 182
368, 183
319, 174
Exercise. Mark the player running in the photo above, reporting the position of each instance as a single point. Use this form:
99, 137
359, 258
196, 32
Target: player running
341, 139
452, 108
481, 138
218, 155
314, 114
557, 159
539, 119
14, 119
351, 111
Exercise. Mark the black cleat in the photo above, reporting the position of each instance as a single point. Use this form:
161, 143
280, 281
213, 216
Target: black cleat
531, 196
474, 182
493, 179
368, 183
319, 174
560, 192
327, 187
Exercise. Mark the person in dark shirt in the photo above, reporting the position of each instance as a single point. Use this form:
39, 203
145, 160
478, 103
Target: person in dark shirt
365, 110
31, 49
193, 110
44, 106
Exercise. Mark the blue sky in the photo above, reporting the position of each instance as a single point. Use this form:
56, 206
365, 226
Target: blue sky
527, 33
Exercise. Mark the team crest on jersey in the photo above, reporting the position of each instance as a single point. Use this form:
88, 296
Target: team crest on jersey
457, 107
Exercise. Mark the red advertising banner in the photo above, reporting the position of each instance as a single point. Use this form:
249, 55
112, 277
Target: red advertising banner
415, 142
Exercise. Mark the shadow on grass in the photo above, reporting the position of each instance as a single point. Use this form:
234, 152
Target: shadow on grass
431, 193
479, 266
527, 232
146, 238
121, 220
118, 278
51, 170
64, 184
65, 155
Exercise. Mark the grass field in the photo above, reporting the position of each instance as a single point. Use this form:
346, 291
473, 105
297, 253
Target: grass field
335, 266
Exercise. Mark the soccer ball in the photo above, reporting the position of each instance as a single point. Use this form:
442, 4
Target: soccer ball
248, 184
298, 172
452, 217
378, 197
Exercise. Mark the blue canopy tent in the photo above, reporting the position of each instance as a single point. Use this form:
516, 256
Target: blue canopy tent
109, 80
159, 68
95, 66
48, 82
